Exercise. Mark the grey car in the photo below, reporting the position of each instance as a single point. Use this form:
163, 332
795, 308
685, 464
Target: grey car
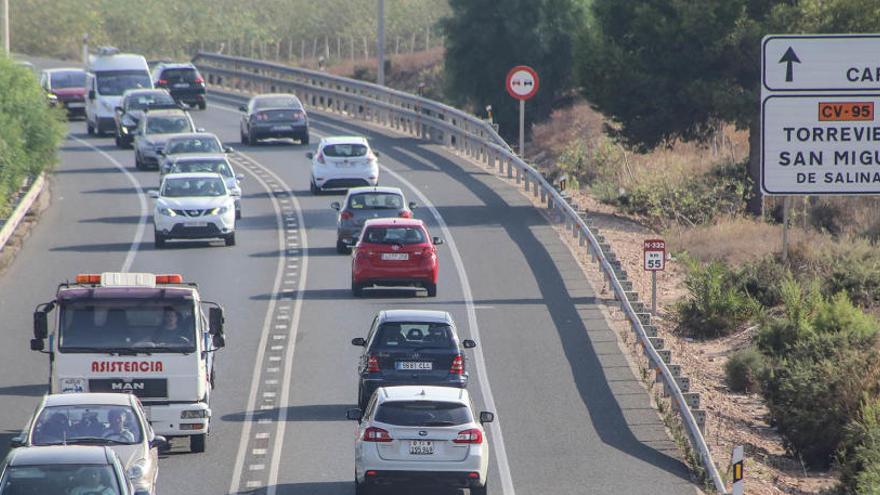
207, 162
362, 204
66, 469
274, 116
154, 130
190, 143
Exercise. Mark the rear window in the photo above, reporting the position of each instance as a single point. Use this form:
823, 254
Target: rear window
423, 413
58, 478
168, 125
394, 235
277, 102
179, 75
375, 201
344, 150
211, 166
193, 145
68, 79
414, 336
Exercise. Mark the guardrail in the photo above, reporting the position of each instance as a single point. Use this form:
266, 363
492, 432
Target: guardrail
24, 205
478, 141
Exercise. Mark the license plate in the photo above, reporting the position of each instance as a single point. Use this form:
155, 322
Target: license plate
415, 365
181, 85
395, 256
77, 104
421, 447
196, 224
281, 128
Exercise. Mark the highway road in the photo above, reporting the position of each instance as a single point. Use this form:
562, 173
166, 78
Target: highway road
572, 417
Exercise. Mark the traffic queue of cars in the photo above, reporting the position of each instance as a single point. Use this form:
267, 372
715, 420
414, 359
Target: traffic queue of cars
416, 420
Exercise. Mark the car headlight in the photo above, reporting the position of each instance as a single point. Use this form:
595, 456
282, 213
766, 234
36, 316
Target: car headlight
197, 414
124, 129
74, 385
137, 470
168, 212
219, 211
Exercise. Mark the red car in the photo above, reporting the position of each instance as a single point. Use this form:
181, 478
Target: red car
395, 252
67, 88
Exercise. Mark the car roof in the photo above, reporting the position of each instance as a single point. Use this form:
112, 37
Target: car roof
402, 222
176, 65
167, 112
89, 398
146, 91
60, 454
378, 189
197, 175
344, 140
415, 315
274, 95
64, 69
423, 392
193, 135
196, 157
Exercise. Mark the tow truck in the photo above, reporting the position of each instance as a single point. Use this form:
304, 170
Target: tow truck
115, 332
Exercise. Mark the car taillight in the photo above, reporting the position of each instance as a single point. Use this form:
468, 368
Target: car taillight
469, 436
373, 434
405, 214
298, 115
321, 157
261, 116
457, 367
372, 364
370, 156
199, 80
162, 82
345, 215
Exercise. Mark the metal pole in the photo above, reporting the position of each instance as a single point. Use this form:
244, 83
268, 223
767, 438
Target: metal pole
654, 292
380, 44
785, 207
85, 50
738, 473
6, 47
522, 128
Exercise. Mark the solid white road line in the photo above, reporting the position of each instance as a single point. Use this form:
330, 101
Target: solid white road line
142, 221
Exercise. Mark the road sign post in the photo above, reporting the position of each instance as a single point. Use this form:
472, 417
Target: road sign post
738, 474
655, 261
522, 84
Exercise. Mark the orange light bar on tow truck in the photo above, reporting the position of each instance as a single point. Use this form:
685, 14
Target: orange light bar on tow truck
88, 278
170, 278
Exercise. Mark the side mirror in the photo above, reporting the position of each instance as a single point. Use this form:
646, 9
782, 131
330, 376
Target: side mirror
228, 149
91, 94
412, 205
335, 205
200, 129
219, 340
437, 241
377, 154
215, 320
239, 177
468, 344
16, 442
242, 108
310, 155
119, 110
486, 417
38, 345
41, 325
359, 341
354, 414
160, 442
153, 193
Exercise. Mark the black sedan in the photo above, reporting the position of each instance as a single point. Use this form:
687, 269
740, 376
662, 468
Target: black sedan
274, 116
411, 347
131, 110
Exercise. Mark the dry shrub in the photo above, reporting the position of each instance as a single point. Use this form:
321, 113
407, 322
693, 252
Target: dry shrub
734, 240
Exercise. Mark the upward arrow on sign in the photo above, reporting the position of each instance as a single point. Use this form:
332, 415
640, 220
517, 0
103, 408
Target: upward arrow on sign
790, 58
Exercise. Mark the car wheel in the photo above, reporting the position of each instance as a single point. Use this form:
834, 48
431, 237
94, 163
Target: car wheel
90, 129
137, 161
357, 290
432, 289
159, 240
480, 490
203, 105
362, 401
342, 248
118, 141
304, 139
230, 239
197, 443
244, 139
362, 488
314, 188
238, 214
251, 139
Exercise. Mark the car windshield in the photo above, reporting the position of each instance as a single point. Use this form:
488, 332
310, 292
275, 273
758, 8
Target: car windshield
211, 166
344, 150
394, 235
410, 336
168, 125
375, 201
276, 102
193, 187
72, 479
68, 79
115, 82
423, 413
141, 101
193, 145
87, 424
150, 326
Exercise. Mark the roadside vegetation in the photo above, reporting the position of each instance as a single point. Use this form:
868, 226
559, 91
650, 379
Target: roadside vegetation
30, 132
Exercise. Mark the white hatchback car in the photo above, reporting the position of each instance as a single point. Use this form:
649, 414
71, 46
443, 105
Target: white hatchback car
342, 162
421, 435
112, 419
193, 206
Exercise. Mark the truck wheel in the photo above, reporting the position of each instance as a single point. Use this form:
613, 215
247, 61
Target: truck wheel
197, 443
432, 289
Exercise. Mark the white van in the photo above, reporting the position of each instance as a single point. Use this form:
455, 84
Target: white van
110, 73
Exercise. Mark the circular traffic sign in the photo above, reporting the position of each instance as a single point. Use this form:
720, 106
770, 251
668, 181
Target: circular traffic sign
522, 82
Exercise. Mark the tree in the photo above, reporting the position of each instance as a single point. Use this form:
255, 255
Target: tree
486, 38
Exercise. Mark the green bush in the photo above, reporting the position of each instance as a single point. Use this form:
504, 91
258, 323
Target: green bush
743, 371
30, 131
762, 280
714, 305
856, 272
778, 335
859, 454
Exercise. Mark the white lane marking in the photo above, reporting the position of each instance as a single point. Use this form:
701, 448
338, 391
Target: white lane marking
261, 436
142, 221
264, 337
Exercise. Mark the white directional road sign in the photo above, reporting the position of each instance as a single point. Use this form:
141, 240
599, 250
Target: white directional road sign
819, 101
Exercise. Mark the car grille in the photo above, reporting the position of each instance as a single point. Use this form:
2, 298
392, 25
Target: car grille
344, 183
191, 213
141, 387
182, 230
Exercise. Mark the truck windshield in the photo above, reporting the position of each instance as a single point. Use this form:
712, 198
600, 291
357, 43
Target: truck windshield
115, 82
127, 326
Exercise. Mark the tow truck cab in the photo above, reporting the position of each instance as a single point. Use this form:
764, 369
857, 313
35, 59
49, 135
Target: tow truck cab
138, 333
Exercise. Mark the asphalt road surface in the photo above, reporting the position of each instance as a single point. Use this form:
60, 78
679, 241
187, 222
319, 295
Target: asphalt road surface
571, 417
